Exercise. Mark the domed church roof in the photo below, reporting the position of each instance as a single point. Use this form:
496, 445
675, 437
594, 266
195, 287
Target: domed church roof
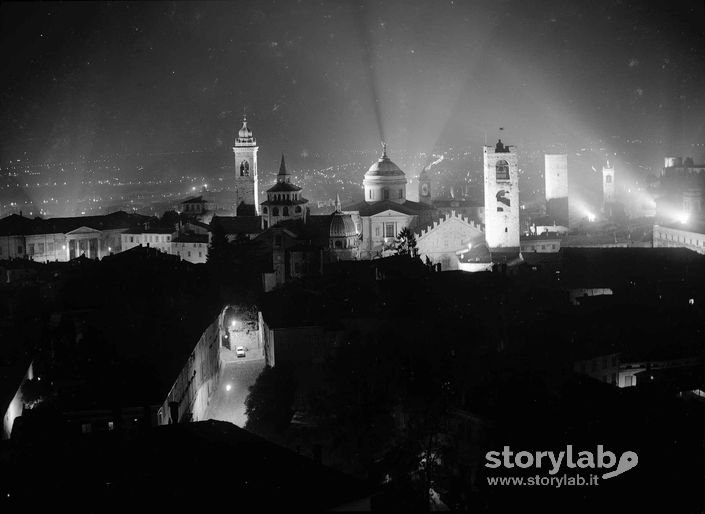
384, 167
341, 225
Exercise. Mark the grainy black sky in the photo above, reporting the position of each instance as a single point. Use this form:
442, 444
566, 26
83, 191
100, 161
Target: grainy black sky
95, 78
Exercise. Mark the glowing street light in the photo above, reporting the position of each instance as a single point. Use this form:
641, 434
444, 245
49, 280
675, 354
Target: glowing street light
228, 387
683, 217
591, 217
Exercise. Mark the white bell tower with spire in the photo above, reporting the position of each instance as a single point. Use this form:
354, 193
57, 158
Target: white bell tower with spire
246, 182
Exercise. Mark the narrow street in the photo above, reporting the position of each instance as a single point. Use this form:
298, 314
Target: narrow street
228, 403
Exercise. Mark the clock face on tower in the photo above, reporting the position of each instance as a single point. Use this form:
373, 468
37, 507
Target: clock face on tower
424, 189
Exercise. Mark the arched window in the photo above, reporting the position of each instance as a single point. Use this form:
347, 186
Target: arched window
286, 211
297, 210
338, 244
244, 169
264, 210
275, 211
502, 168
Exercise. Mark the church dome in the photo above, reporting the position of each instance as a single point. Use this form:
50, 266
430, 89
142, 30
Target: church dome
384, 168
342, 225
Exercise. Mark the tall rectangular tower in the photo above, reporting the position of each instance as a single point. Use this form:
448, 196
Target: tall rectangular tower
246, 182
608, 196
501, 198
556, 175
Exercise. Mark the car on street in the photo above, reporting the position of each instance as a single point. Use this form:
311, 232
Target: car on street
240, 351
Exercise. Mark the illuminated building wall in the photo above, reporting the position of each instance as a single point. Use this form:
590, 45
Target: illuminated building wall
670, 237
556, 174
189, 396
441, 241
501, 197
16, 406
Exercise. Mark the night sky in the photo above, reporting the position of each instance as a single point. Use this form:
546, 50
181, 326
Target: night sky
329, 77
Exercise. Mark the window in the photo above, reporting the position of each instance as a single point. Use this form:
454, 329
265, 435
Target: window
285, 211
244, 169
189, 254
370, 194
297, 210
377, 231
264, 210
389, 230
86, 428
266, 225
132, 239
31, 250
401, 194
275, 211
338, 244
385, 194
111, 425
40, 247
502, 169
629, 381
200, 254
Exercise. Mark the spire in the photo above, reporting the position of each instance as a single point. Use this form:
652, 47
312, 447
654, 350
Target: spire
283, 175
338, 208
384, 150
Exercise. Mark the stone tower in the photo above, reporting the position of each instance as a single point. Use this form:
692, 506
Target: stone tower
425, 187
501, 198
556, 176
607, 184
246, 187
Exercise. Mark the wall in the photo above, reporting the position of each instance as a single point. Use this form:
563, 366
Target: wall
441, 241
12, 247
16, 406
667, 237
196, 253
197, 380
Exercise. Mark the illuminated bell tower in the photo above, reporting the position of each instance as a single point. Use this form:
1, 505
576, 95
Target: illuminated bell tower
425, 187
246, 187
501, 198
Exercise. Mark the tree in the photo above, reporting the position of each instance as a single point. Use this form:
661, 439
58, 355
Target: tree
269, 404
406, 243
